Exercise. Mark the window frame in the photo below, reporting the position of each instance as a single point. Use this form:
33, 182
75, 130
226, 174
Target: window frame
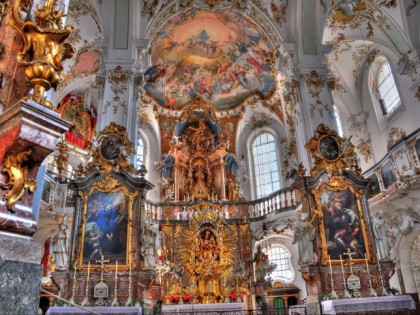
292, 270
251, 165
373, 84
144, 143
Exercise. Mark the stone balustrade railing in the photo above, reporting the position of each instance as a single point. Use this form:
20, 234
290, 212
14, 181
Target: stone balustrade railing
279, 201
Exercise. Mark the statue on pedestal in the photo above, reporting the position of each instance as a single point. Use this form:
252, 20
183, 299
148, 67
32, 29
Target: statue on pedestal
380, 230
150, 244
304, 234
59, 244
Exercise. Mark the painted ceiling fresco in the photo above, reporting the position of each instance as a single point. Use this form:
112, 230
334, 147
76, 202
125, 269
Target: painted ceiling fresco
217, 55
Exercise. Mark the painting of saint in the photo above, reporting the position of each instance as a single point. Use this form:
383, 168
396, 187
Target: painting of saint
106, 227
217, 55
388, 174
342, 225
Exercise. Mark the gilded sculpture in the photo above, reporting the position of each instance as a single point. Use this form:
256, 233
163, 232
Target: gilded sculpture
44, 47
17, 171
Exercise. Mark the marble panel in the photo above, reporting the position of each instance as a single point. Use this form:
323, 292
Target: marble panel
19, 248
20, 283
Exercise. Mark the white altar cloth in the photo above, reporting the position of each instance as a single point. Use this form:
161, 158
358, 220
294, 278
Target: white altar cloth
67, 310
373, 304
206, 309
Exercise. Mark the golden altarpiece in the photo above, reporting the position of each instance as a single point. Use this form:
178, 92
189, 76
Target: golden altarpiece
339, 258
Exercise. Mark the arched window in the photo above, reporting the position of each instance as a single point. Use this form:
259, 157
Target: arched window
266, 164
280, 257
139, 153
338, 122
387, 88
384, 90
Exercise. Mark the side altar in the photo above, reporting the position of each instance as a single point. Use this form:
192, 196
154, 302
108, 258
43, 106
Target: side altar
105, 266
337, 245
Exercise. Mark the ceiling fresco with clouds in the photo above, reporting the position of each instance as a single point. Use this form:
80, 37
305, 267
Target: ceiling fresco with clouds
218, 55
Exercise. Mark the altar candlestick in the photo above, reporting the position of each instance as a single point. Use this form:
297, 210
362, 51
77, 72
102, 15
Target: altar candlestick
329, 260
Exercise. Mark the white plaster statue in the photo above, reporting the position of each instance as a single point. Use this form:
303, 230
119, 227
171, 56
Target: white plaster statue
150, 244
402, 226
59, 244
380, 230
304, 234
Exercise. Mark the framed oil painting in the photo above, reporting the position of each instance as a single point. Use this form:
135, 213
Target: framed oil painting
388, 174
106, 224
373, 188
342, 223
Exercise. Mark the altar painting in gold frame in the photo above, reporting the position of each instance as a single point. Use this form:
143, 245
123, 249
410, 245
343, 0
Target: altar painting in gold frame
106, 227
341, 221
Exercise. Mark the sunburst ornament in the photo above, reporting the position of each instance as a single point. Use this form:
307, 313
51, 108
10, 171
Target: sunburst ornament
207, 251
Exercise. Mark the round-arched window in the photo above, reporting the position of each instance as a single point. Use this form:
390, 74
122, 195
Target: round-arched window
266, 164
279, 256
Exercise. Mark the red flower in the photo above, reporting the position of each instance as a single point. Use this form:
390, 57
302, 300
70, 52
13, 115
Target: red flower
173, 298
187, 297
232, 296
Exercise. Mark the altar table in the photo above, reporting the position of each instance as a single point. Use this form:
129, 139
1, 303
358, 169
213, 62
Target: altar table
373, 304
67, 310
205, 309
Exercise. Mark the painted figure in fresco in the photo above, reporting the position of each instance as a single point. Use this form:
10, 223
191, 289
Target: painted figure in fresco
304, 234
94, 242
380, 230
59, 244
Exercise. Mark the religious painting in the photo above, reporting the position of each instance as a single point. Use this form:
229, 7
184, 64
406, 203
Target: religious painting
106, 228
329, 148
46, 189
342, 224
218, 55
417, 146
373, 187
111, 147
388, 174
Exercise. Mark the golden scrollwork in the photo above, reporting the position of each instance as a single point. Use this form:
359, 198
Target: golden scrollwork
112, 152
18, 178
331, 152
207, 252
44, 45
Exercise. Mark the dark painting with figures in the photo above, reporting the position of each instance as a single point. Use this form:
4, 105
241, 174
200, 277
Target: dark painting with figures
418, 148
342, 225
373, 187
388, 174
106, 227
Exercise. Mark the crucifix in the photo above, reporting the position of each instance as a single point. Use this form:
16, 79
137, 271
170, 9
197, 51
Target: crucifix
349, 254
102, 262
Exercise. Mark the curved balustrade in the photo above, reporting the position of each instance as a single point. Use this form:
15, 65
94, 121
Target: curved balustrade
282, 200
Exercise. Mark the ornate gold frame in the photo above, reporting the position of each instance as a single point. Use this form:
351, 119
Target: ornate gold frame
336, 184
108, 185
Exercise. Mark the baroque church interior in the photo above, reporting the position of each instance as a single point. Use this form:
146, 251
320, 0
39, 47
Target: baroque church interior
250, 156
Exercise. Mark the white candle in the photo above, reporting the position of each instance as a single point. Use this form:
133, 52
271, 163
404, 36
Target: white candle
129, 272
342, 267
379, 263
75, 270
367, 265
116, 269
329, 260
88, 270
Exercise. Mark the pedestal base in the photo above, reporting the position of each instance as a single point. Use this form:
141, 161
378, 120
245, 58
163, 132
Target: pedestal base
20, 283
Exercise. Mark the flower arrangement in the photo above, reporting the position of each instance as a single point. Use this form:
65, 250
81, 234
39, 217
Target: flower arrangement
174, 299
187, 298
232, 296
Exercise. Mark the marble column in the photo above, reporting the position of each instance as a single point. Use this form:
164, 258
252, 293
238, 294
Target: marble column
34, 130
